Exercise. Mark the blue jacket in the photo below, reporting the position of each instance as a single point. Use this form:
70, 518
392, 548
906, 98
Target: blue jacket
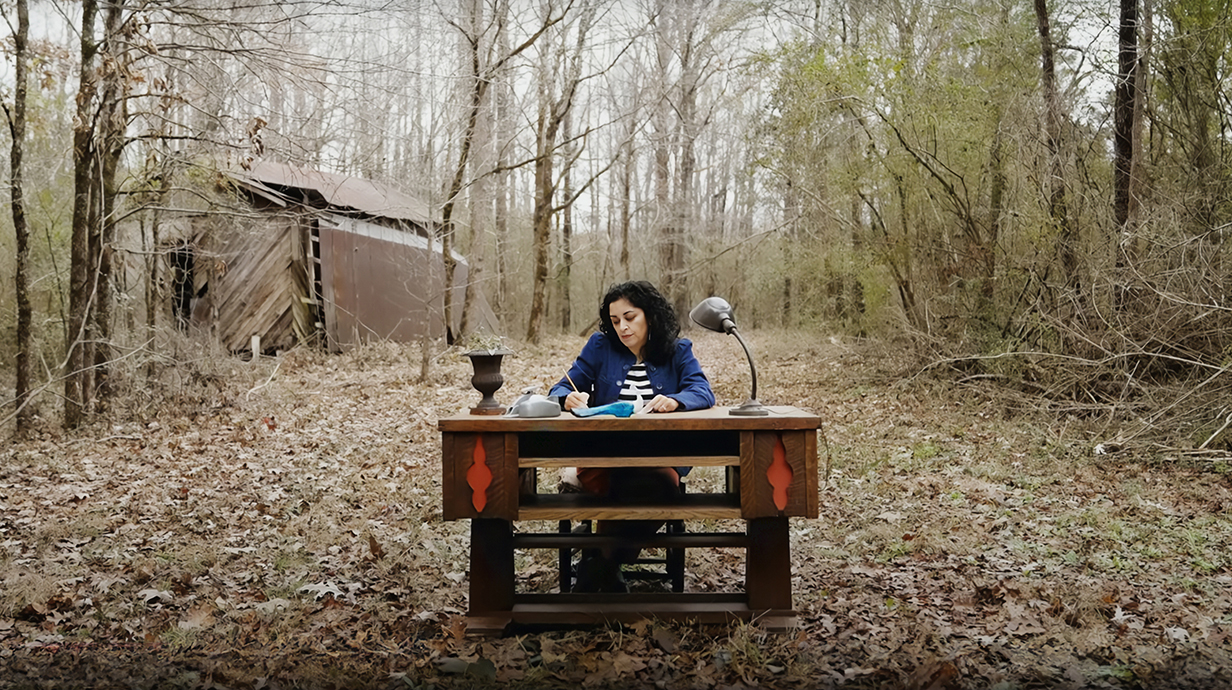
602, 366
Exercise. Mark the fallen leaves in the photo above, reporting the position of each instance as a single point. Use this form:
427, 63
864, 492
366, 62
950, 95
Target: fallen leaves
153, 596
296, 536
198, 618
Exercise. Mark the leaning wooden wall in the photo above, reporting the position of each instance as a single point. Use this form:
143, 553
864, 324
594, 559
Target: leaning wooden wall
252, 284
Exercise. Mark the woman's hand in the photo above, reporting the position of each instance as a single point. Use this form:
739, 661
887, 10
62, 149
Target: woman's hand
576, 399
661, 403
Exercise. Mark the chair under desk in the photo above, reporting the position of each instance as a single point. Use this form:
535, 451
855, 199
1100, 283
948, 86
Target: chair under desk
488, 476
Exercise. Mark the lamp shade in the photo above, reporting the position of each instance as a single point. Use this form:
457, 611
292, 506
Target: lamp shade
714, 314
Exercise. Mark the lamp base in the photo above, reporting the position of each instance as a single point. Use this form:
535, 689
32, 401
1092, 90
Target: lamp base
750, 408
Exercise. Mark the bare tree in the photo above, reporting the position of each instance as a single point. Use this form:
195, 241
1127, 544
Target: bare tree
1067, 239
566, 226
688, 36
504, 117
670, 236
560, 77
17, 129
626, 170
112, 120
1123, 110
75, 387
1141, 89
484, 188
483, 67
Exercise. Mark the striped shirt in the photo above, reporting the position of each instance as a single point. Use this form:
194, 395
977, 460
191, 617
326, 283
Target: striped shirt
636, 386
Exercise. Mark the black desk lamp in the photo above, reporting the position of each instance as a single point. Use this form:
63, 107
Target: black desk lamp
715, 314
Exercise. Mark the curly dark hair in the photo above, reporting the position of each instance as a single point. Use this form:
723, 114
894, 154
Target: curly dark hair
664, 328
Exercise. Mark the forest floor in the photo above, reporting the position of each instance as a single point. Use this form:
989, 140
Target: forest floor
277, 524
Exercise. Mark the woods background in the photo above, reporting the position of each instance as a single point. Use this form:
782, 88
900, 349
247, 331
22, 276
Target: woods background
1036, 192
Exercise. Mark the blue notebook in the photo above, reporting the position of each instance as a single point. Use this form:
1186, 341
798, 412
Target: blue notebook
623, 408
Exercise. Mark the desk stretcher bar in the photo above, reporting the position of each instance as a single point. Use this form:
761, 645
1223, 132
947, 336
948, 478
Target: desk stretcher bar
586, 507
648, 461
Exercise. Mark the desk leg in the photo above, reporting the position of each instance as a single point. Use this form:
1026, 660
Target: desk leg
491, 567
767, 569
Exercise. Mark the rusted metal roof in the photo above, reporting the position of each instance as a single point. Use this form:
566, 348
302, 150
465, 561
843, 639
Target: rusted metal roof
271, 180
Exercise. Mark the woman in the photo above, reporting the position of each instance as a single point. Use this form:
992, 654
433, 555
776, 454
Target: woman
637, 327
638, 356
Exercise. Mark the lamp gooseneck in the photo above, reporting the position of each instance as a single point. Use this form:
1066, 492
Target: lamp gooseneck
750, 408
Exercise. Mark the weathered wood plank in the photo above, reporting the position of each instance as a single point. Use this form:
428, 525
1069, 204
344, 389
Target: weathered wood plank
254, 293
659, 540
655, 461
587, 507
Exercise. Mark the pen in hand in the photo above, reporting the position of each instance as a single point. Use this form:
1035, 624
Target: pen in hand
580, 394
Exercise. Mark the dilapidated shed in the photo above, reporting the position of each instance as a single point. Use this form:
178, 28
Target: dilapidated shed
326, 259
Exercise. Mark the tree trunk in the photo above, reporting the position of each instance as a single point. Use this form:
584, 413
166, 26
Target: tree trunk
25, 313
662, 137
83, 183
481, 204
1141, 84
1126, 115
685, 227
94, 245
996, 208
996, 195
1123, 114
625, 200
898, 256
478, 87
566, 233
155, 262
112, 119
1067, 236
541, 235
483, 161
475, 89
504, 133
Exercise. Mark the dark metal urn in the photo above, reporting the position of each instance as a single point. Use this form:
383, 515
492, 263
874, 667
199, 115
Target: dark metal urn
487, 378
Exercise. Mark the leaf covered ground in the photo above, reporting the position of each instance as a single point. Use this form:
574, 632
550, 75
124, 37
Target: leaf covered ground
276, 524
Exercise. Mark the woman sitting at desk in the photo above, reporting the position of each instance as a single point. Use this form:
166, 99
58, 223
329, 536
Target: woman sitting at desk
637, 356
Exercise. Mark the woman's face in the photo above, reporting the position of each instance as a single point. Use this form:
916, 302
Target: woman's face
630, 325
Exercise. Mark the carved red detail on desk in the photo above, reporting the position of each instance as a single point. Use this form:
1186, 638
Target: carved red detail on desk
479, 476
779, 473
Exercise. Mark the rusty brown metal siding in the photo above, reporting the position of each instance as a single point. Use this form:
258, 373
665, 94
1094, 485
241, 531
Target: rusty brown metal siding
376, 289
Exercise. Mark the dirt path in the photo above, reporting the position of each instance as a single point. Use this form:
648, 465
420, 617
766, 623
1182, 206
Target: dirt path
277, 524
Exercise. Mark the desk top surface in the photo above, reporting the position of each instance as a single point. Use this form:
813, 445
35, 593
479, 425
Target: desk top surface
715, 418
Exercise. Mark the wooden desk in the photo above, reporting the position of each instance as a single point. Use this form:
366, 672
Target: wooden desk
772, 475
